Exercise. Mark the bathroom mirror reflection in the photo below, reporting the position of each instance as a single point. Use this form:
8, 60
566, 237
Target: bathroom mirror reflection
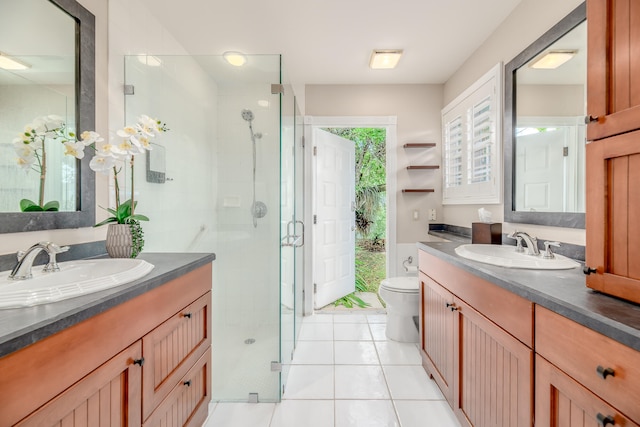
47, 61
545, 105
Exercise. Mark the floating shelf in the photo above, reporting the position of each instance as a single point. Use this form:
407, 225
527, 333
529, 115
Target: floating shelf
419, 145
418, 190
423, 167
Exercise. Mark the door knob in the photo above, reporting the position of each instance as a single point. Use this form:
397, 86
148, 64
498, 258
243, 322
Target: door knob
588, 270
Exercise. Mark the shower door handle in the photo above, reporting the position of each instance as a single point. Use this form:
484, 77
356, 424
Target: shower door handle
301, 235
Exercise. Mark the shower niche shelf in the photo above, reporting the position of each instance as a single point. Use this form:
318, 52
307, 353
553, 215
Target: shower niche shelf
422, 167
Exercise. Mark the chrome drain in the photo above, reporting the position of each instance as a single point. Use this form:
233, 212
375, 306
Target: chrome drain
249, 341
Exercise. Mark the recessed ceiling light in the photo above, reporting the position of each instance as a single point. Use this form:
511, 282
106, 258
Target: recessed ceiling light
385, 59
9, 63
553, 59
236, 59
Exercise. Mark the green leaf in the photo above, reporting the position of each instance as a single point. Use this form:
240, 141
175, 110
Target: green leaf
139, 217
51, 206
106, 221
27, 205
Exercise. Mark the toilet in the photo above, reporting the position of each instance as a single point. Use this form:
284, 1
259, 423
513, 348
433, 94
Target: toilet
402, 296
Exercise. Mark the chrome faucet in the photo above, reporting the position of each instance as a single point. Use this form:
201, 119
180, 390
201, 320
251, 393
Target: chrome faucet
531, 242
22, 270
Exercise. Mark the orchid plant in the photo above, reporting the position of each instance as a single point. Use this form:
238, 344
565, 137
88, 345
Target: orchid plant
131, 141
32, 154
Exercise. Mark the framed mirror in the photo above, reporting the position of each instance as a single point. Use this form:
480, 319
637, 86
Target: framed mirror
544, 130
55, 50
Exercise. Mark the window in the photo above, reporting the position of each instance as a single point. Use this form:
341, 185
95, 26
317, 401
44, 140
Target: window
471, 143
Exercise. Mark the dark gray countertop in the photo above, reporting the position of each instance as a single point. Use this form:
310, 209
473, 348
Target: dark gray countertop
562, 291
23, 326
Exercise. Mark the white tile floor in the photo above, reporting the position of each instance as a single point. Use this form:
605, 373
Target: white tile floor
346, 373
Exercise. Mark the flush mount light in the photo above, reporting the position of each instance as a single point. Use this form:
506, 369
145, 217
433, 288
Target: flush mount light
236, 59
553, 59
384, 59
9, 63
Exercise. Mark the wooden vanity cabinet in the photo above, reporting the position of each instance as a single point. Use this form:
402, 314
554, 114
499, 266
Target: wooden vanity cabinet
143, 362
613, 67
613, 155
579, 367
476, 342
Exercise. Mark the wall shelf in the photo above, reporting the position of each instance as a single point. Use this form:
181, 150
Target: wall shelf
418, 190
415, 167
419, 145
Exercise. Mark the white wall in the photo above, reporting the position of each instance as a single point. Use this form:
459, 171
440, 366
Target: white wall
12, 242
526, 23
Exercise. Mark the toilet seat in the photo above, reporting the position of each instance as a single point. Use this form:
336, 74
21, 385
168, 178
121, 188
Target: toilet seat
408, 285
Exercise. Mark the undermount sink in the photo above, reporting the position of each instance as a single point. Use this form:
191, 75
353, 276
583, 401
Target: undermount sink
506, 256
74, 279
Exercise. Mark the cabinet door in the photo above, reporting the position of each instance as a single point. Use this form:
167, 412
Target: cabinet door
561, 401
187, 403
172, 348
613, 70
436, 334
612, 224
108, 397
494, 386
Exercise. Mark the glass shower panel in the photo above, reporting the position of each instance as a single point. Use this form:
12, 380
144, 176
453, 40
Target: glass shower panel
222, 195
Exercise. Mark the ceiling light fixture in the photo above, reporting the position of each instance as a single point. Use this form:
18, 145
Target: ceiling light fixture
384, 59
9, 63
236, 59
553, 59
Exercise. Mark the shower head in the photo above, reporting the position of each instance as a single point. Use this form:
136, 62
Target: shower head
247, 115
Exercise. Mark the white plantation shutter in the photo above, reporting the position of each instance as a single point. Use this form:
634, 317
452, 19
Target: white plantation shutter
471, 153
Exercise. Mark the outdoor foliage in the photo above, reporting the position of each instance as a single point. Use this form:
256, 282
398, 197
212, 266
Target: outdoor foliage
370, 177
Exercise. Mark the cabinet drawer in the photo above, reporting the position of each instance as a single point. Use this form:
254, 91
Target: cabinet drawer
561, 401
172, 348
187, 403
584, 355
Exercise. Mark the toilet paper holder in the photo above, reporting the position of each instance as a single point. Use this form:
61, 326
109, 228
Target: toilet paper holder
407, 265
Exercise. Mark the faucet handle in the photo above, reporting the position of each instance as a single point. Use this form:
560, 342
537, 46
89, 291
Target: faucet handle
547, 249
53, 250
518, 240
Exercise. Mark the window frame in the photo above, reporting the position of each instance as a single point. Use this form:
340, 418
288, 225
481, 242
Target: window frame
487, 191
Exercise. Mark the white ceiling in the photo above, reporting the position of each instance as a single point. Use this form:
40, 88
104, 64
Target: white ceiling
330, 41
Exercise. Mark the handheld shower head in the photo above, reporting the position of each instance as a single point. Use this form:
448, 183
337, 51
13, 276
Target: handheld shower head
247, 115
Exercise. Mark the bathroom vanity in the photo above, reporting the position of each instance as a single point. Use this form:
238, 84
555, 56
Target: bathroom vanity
510, 346
138, 354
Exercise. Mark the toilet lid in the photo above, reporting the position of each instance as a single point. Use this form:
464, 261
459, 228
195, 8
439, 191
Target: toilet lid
401, 284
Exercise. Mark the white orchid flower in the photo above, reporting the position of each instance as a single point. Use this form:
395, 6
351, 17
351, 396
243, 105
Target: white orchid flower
90, 137
74, 148
22, 149
102, 164
26, 162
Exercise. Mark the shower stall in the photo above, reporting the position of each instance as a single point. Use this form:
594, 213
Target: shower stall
227, 178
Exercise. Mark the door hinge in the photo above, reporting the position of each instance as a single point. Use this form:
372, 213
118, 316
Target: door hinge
315, 150
565, 151
276, 366
315, 288
277, 89
129, 90
315, 219
303, 141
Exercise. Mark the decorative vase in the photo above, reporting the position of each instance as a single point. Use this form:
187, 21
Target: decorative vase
124, 240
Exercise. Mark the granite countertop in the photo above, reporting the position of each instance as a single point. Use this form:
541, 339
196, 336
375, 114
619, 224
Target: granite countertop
24, 326
561, 291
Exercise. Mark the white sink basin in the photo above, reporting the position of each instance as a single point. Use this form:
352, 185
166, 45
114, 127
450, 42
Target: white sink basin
506, 256
75, 278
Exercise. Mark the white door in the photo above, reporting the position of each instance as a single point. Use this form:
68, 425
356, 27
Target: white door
334, 228
540, 171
